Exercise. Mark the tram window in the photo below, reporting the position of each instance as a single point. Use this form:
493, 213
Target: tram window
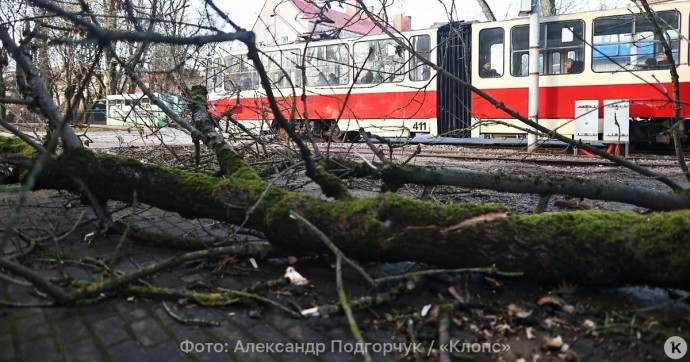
627, 42
559, 41
422, 46
556, 63
277, 68
232, 67
519, 50
215, 74
490, 63
290, 62
327, 65
381, 61
239, 71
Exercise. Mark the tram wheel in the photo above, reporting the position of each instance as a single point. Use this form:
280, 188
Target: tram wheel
280, 132
334, 134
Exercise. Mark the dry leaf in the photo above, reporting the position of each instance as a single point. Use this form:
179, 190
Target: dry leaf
425, 310
494, 283
502, 328
548, 323
433, 313
529, 332
553, 343
550, 301
295, 277
311, 312
516, 311
560, 321
567, 288
588, 324
454, 292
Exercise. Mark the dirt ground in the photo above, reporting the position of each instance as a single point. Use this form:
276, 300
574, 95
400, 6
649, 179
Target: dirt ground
504, 319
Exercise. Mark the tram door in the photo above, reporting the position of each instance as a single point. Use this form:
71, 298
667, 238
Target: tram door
454, 101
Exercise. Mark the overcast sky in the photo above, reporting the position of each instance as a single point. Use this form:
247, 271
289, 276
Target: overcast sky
423, 12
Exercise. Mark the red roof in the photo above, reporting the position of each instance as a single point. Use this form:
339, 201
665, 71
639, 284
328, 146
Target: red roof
340, 20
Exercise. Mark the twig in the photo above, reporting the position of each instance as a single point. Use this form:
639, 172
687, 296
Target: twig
261, 299
9, 279
161, 240
492, 270
95, 203
542, 203
413, 155
268, 284
443, 330
125, 233
373, 167
329, 243
379, 154
22, 136
39, 282
413, 339
24, 251
98, 288
204, 299
9, 304
368, 301
190, 321
346, 307
344, 302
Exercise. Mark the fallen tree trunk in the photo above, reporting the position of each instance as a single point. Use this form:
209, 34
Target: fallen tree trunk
586, 247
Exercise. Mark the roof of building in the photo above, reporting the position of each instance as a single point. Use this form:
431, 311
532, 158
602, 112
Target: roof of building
313, 12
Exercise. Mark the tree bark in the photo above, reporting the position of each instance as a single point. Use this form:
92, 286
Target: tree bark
486, 9
4, 62
592, 247
548, 7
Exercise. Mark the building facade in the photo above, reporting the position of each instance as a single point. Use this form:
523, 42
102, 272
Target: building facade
287, 21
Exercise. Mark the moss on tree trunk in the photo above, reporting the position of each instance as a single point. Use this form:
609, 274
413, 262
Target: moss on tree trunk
588, 247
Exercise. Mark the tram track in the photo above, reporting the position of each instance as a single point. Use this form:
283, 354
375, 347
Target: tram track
500, 155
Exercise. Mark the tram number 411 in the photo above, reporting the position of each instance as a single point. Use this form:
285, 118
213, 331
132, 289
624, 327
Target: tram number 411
419, 126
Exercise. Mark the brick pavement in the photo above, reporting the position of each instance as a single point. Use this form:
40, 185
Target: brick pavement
119, 329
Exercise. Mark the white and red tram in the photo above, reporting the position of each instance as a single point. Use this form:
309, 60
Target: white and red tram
371, 82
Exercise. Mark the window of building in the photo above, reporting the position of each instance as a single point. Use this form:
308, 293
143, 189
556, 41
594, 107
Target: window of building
490, 64
327, 65
561, 48
380, 61
627, 42
422, 46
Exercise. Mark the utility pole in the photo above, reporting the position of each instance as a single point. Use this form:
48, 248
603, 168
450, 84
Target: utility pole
532, 8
